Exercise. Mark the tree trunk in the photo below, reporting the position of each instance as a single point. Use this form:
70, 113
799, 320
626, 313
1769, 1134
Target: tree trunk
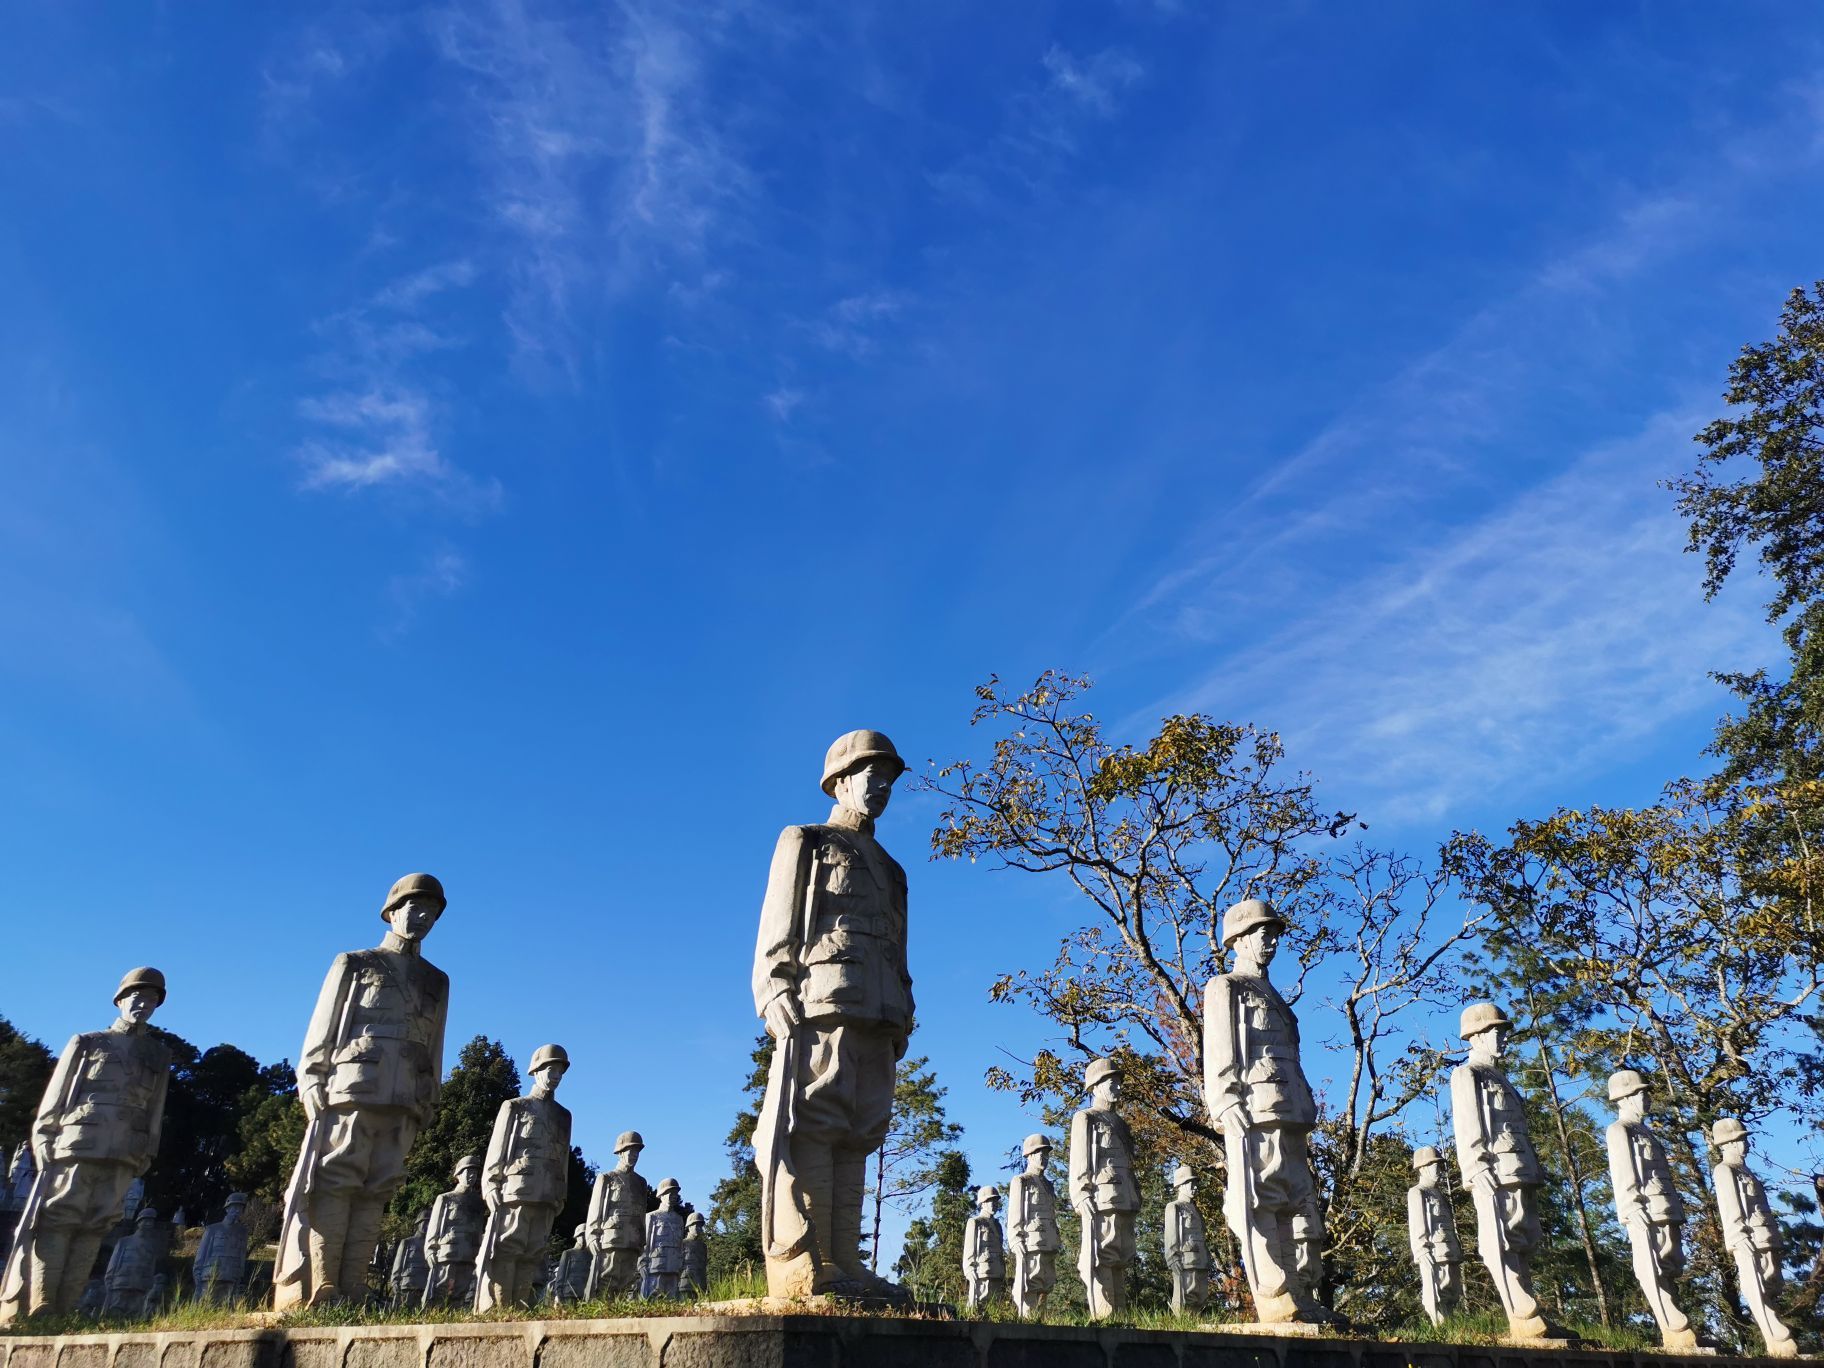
880, 1197
1575, 1170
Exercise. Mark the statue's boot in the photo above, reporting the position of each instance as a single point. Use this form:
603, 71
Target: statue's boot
46, 1271
328, 1223
360, 1236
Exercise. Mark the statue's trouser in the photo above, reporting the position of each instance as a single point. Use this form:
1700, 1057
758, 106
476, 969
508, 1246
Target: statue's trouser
843, 1105
1034, 1274
506, 1278
1269, 1203
1507, 1232
82, 1200
1438, 1289
220, 1291
1190, 1290
1658, 1256
1108, 1249
359, 1170
1758, 1277
616, 1272
450, 1284
663, 1286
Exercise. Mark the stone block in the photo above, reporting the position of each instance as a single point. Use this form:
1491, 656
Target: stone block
136, 1353
1227, 1356
1033, 1351
76, 1354
1304, 1355
42, 1354
1144, 1354
914, 1347
597, 1351
395, 1351
1414, 1357
241, 1351
508, 1350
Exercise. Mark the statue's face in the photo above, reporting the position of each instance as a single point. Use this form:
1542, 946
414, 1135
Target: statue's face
467, 1176
867, 787
233, 1214
413, 919
1735, 1152
1107, 1091
137, 1005
1036, 1161
1490, 1043
548, 1076
630, 1157
1430, 1174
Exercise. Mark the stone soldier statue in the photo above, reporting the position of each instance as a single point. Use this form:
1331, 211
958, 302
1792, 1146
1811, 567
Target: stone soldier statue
695, 1280
1032, 1227
831, 981
1103, 1191
452, 1238
617, 1221
1256, 1093
221, 1256
1495, 1152
133, 1266
1751, 1233
663, 1262
1186, 1252
411, 1269
96, 1131
525, 1179
158, 1299
368, 1076
1431, 1230
1648, 1204
985, 1251
571, 1280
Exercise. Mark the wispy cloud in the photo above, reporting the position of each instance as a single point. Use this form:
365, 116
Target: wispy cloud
783, 402
439, 575
1097, 82
852, 325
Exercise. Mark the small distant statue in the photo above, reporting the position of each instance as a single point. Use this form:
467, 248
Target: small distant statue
368, 1077
452, 1238
525, 1179
94, 1293
133, 1267
985, 1251
1032, 1227
617, 1221
830, 980
158, 1299
411, 1270
1256, 1092
1648, 1204
1751, 1233
1503, 1174
1187, 1253
695, 1281
570, 1280
96, 1130
221, 1256
1103, 1191
663, 1262
1431, 1229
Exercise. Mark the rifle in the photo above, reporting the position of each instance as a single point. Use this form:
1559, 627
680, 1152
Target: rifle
291, 1261
773, 1151
490, 1242
15, 1285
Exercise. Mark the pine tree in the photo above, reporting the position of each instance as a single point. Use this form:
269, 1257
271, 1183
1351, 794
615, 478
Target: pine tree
733, 1226
931, 1263
484, 1077
906, 1165
25, 1068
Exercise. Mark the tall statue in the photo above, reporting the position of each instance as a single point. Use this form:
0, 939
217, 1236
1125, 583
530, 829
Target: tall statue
368, 1076
452, 1238
570, 1281
221, 1256
1495, 1152
411, 1268
1032, 1227
1187, 1254
831, 981
663, 1262
1256, 1093
1751, 1233
1103, 1191
617, 1221
133, 1266
695, 1281
985, 1251
1647, 1201
24, 1169
525, 1179
1431, 1230
96, 1131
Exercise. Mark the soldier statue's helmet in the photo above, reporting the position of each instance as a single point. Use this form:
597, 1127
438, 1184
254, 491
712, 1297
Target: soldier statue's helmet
1727, 1128
146, 1213
467, 1161
1035, 1143
143, 977
695, 1218
237, 1199
1182, 1175
1097, 1071
1625, 1083
987, 1194
1425, 1156
850, 750
548, 1054
1482, 1016
1245, 916
410, 885
668, 1185
627, 1140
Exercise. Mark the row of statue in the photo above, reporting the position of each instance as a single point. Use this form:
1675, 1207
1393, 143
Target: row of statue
831, 983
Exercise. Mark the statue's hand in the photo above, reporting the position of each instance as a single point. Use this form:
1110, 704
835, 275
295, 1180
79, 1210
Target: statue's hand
783, 1016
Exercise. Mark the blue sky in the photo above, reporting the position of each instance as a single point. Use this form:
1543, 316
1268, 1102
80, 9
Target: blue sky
512, 440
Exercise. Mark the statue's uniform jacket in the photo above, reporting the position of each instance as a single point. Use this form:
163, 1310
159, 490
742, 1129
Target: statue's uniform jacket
1032, 1214
986, 1259
376, 1037
1253, 1062
411, 1268
221, 1255
1431, 1227
1185, 1246
452, 1241
1642, 1176
1747, 1219
617, 1209
528, 1159
664, 1242
1102, 1187
1495, 1151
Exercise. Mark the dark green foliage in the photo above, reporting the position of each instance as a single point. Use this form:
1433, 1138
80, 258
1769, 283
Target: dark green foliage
931, 1264
484, 1077
209, 1095
906, 1165
269, 1135
25, 1067
580, 1183
732, 1228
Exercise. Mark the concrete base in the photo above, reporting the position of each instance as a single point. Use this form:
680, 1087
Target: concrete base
762, 1341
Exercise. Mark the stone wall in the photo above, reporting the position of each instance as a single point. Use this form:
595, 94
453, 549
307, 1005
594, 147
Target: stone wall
774, 1342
